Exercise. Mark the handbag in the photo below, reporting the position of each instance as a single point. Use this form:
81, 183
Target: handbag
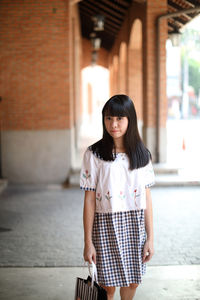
89, 289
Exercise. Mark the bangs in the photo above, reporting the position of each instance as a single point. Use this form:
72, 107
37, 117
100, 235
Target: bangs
115, 109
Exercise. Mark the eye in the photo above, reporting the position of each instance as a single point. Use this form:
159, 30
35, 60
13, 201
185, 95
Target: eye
119, 118
108, 118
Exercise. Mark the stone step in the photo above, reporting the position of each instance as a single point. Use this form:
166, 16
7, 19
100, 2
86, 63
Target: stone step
165, 168
74, 177
176, 180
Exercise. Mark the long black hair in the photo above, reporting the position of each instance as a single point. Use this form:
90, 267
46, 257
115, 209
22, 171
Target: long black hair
139, 155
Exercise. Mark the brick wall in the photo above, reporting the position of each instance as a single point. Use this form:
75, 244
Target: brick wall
34, 68
75, 66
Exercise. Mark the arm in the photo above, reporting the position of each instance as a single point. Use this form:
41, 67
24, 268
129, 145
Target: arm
88, 219
148, 250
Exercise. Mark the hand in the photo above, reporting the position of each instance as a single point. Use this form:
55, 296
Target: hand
89, 253
148, 251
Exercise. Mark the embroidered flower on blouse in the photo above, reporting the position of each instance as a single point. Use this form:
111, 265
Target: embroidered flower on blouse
98, 197
86, 175
135, 195
99, 200
108, 197
121, 195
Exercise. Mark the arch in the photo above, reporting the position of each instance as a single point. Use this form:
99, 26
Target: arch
135, 40
123, 68
95, 92
135, 65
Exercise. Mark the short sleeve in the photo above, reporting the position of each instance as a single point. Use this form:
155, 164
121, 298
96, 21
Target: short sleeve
89, 171
149, 175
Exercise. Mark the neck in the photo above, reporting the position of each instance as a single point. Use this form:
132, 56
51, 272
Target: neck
119, 145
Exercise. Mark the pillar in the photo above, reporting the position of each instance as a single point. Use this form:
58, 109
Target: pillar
154, 9
35, 83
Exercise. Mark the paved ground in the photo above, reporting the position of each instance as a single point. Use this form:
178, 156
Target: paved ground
42, 227
160, 283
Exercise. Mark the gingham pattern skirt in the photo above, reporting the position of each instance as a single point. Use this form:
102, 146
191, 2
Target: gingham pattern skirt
119, 240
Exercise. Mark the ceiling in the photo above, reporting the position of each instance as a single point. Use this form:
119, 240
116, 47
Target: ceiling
115, 12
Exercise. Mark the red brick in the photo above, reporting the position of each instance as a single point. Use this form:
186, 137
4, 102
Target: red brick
34, 67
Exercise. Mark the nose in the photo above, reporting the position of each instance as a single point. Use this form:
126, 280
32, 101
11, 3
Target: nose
114, 124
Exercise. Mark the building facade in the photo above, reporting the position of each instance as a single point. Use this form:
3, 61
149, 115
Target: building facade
43, 51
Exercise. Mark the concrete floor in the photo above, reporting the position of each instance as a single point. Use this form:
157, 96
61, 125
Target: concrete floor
42, 227
160, 283
41, 244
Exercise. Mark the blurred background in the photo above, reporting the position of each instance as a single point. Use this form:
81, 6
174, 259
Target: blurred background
60, 61
183, 95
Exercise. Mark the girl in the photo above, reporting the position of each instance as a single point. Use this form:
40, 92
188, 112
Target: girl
118, 223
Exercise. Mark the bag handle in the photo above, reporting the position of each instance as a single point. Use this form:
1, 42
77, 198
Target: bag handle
94, 273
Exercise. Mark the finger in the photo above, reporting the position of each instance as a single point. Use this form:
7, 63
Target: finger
146, 256
90, 259
94, 258
87, 258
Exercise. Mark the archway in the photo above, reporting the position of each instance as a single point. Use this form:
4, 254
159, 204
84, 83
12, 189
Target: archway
95, 92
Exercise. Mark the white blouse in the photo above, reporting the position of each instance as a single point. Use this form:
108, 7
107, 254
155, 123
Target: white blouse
117, 188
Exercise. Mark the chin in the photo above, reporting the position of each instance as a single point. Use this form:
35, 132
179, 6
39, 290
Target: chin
117, 136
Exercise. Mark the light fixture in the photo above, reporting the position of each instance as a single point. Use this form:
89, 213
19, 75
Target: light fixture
96, 41
98, 22
175, 37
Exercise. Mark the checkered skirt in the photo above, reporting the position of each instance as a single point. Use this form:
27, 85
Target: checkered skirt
119, 239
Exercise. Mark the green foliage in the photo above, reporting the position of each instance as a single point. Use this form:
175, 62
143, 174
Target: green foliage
190, 38
194, 74
190, 41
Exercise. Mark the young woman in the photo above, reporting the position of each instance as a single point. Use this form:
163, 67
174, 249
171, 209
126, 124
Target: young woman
118, 221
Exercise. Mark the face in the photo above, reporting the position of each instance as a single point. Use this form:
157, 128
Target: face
116, 126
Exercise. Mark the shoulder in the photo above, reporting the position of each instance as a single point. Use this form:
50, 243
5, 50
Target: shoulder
148, 166
96, 149
90, 155
149, 175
